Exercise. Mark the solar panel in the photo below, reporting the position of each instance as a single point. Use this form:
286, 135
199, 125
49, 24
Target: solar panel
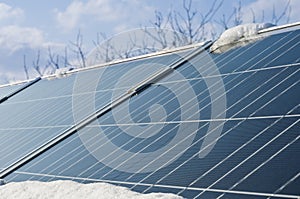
31, 118
4, 91
217, 126
7, 89
18, 88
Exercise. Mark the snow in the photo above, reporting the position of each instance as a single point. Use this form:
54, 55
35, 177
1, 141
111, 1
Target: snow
238, 36
62, 72
70, 189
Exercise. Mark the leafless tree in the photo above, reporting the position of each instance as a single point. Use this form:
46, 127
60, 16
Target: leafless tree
107, 50
66, 61
53, 59
192, 23
25, 67
237, 13
285, 13
187, 25
77, 48
103, 50
57, 61
36, 64
235, 17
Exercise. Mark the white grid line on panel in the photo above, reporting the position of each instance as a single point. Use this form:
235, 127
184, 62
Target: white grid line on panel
236, 151
252, 155
230, 155
262, 164
285, 185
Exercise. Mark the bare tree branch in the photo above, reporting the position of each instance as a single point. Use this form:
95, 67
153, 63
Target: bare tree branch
103, 49
238, 14
289, 14
36, 63
77, 49
53, 59
190, 25
66, 61
235, 17
25, 67
253, 16
187, 25
285, 13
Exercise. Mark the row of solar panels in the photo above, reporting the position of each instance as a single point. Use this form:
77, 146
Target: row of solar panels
217, 126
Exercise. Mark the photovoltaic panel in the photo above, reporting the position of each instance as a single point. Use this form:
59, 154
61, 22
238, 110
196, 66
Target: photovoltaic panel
6, 90
43, 111
219, 126
30, 118
15, 89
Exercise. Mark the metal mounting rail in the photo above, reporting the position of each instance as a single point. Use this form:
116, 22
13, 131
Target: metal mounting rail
134, 91
20, 89
295, 25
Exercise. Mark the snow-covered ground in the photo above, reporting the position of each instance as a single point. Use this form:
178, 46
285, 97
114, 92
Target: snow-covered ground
74, 190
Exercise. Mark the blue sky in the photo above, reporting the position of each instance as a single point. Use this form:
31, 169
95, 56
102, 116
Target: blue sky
32, 25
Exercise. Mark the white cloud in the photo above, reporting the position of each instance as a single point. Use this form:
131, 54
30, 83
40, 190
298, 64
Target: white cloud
7, 13
15, 37
79, 13
263, 10
15, 42
70, 17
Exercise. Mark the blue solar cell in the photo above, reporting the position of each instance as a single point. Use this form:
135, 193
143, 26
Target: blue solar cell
15, 143
46, 109
37, 108
6, 90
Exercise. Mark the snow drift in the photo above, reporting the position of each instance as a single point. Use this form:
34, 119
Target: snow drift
238, 36
74, 190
